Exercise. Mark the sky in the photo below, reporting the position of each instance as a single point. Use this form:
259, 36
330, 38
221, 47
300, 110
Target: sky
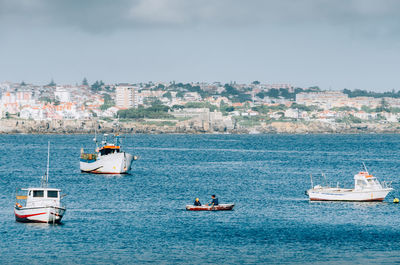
338, 44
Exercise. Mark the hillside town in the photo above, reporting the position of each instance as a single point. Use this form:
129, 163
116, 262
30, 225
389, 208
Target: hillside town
174, 107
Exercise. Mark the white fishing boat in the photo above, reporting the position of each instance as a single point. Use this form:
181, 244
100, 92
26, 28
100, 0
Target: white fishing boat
366, 188
108, 158
42, 205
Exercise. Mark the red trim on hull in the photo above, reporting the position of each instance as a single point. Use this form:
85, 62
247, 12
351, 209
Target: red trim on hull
370, 200
209, 208
28, 215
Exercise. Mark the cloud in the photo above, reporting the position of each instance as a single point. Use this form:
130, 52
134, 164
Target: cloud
96, 16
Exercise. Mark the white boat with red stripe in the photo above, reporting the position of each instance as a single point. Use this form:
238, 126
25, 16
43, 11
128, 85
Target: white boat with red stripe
366, 188
42, 205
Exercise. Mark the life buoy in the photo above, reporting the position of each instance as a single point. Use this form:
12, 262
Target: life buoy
18, 205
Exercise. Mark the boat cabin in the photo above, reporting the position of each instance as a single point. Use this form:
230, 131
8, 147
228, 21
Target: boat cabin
109, 149
39, 197
364, 180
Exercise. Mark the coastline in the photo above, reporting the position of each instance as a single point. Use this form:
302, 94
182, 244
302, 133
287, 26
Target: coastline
19, 126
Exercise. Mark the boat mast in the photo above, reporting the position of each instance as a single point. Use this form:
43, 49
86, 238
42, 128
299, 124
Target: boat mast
45, 178
365, 167
312, 184
95, 135
48, 162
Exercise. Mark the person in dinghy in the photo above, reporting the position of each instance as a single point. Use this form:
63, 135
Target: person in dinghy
197, 202
213, 202
211, 206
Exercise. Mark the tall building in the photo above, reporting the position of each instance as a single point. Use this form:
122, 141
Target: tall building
126, 96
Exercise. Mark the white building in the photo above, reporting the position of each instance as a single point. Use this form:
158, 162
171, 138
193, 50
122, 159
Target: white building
62, 95
292, 113
126, 96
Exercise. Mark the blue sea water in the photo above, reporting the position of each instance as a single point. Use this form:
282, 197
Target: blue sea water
141, 217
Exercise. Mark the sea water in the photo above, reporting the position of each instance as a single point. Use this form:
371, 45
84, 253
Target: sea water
141, 217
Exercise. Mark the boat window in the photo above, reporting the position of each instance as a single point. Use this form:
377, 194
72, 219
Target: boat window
52, 194
30, 193
360, 183
106, 151
38, 193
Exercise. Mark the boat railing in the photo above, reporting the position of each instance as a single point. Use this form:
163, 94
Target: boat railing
386, 184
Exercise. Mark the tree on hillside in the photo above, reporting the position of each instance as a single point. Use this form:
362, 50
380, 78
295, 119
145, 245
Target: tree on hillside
52, 83
97, 86
273, 93
85, 82
168, 95
383, 107
108, 102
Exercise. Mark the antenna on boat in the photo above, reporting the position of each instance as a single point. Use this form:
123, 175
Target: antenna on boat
365, 167
323, 174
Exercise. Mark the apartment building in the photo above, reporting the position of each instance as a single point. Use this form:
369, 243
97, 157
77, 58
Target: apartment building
126, 96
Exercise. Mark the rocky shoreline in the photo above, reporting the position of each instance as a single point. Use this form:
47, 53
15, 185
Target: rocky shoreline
14, 126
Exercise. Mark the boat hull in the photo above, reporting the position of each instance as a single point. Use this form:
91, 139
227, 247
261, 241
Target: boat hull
220, 207
49, 214
362, 196
117, 163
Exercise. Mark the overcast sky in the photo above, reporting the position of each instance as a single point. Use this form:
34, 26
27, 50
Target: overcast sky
336, 44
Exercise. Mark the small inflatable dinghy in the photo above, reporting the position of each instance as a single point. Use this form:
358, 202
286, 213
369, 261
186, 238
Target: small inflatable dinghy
220, 207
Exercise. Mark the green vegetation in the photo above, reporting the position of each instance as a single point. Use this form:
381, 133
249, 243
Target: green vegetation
234, 94
384, 107
156, 111
277, 93
52, 83
348, 119
168, 95
248, 121
49, 100
180, 94
189, 88
97, 86
85, 82
365, 93
263, 109
159, 123
178, 107
108, 102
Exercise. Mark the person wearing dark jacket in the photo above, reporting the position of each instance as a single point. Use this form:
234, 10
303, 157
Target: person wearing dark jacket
214, 201
197, 202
